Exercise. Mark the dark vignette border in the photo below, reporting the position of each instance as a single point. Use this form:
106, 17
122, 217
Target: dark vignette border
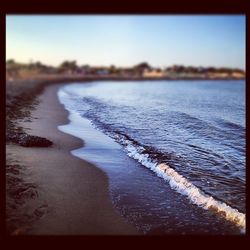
141, 7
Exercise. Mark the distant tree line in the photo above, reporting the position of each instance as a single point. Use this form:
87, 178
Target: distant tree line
71, 67
192, 69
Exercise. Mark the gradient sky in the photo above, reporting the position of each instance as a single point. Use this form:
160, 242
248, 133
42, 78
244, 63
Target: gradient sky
161, 40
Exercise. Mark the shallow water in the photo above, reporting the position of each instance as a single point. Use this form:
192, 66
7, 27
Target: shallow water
196, 130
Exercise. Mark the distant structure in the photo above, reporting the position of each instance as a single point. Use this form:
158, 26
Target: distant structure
153, 73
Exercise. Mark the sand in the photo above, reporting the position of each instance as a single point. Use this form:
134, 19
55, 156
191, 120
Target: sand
71, 196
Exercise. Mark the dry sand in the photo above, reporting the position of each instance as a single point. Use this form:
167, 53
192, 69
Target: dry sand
72, 196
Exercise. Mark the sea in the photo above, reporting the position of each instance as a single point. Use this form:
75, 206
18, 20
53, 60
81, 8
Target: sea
174, 151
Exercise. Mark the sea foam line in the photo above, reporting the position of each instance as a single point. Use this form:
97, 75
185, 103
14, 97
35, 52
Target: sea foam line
185, 187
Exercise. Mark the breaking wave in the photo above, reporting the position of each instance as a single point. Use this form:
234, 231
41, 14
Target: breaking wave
182, 185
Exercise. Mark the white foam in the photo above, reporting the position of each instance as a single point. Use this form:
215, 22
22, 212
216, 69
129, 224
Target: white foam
184, 187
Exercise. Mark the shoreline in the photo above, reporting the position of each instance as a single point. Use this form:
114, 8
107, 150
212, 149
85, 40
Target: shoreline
42, 209
70, 195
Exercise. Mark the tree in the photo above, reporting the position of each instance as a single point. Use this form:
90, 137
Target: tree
143, 65
112, 69
178, 68
68, 66
139, 68
10, 61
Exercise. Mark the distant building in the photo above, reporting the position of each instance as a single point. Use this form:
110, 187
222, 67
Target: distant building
218, 75
238, 75
127, 72
201, 70
102, 72
84, 70
153, 73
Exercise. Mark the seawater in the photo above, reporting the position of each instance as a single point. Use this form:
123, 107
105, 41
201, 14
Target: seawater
191, 134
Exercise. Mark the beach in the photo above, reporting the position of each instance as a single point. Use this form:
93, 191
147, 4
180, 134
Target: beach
58, 193
139, 132
73, 167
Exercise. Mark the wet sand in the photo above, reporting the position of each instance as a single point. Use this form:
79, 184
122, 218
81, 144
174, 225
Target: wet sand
70, 196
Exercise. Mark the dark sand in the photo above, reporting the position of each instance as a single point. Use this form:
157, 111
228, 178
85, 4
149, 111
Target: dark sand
67, 196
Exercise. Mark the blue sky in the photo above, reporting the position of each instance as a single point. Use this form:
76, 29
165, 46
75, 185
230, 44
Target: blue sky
125, 40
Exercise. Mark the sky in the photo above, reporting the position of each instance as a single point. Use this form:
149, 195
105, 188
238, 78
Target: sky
126, 40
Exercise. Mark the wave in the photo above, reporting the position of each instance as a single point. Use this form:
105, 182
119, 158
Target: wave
156, 161
182, 185
229, 125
